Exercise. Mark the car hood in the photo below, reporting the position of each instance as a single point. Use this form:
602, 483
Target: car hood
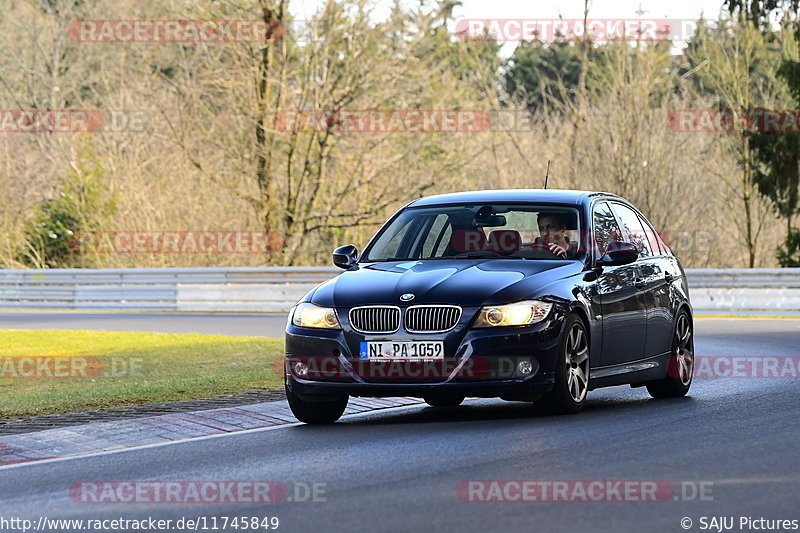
465, 282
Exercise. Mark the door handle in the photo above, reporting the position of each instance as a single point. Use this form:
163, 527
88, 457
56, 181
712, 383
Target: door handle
639, 283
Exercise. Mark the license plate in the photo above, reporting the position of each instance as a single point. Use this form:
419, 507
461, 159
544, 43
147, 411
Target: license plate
402, 350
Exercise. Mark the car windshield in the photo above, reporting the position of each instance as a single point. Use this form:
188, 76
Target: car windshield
479, 231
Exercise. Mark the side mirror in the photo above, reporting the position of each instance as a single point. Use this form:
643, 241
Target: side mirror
619, 253
345, 256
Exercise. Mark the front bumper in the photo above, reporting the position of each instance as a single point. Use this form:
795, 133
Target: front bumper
477, 362
528, 389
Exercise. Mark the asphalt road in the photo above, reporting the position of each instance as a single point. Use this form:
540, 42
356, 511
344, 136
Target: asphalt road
398, 470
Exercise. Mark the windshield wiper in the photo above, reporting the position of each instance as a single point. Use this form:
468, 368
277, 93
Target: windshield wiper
480, 255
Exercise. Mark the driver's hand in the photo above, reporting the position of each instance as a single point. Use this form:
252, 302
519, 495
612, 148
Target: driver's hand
557, 250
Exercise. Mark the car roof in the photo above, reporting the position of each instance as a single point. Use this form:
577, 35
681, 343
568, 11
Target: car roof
561, 196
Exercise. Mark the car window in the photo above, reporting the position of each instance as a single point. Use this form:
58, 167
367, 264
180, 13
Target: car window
658, 238
652, 236
632, 227
666, 250
436, 235
522, 221
491, 230
533, 227
391, 240
606, 229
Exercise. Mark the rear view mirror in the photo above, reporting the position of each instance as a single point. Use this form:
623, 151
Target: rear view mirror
488, 217
493, 221
345, 256
619, 253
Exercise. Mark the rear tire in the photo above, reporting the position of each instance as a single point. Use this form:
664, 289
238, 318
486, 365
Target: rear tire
441, 400
316, 412
571, 380
680, 367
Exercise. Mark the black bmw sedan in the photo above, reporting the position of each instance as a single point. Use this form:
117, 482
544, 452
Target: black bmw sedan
527, 295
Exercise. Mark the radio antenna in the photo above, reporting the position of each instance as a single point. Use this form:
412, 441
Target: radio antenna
547, 174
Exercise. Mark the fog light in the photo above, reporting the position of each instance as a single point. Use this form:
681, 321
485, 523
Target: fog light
300, 369
524, 368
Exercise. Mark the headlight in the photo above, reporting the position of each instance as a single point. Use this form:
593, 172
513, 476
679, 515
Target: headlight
312, 316
516, 314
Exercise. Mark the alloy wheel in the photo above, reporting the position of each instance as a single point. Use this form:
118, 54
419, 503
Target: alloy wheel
577, 361
684, 350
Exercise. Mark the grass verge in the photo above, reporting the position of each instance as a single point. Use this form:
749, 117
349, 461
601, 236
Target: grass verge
56, 371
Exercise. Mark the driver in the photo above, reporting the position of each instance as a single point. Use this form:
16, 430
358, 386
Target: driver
553, 235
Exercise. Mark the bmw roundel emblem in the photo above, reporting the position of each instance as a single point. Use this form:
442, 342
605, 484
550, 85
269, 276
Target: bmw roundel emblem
407, 297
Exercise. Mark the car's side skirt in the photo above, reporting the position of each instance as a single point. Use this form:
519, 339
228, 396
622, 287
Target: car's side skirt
643, 370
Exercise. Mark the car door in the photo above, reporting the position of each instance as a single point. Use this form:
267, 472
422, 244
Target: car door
660, 274
622, 304
648, 272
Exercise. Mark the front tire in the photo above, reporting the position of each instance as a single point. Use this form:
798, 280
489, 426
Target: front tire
680, 367
571, 380
316, 412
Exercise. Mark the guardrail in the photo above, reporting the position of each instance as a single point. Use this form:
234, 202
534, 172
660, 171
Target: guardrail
761, 289
752, 278
266, 289
276, 289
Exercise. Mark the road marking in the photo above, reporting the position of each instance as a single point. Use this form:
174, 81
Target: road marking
196, 439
